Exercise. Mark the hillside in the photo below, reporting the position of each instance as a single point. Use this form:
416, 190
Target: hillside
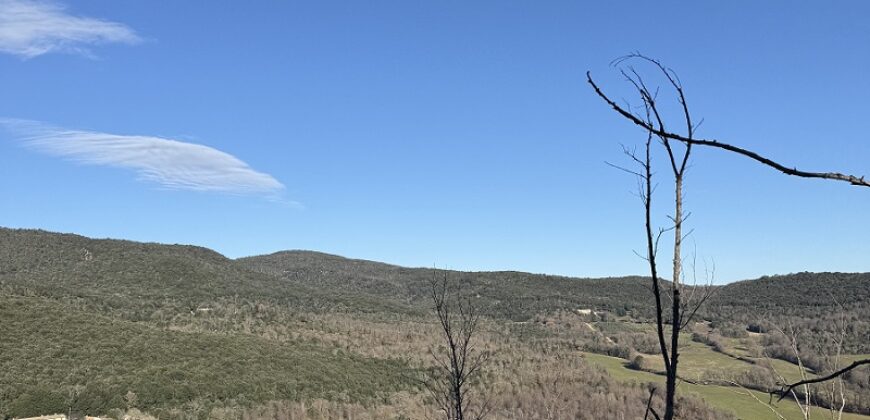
106, 271
192, 334
818, 304
56, 358
800, 289
65, 265
506, 294
131, 276
773, 301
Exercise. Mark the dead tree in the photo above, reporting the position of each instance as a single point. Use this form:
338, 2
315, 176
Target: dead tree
679, 311
653, 123
458, 363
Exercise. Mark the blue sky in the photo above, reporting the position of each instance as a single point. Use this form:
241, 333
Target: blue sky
459, 134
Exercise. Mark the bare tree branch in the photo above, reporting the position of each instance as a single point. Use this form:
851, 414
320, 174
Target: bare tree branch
788, 389
649, 408
834, 176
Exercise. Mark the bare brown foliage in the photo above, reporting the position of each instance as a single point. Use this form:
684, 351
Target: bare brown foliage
458, 362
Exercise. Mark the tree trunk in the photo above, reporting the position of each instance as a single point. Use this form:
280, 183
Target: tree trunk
671, 382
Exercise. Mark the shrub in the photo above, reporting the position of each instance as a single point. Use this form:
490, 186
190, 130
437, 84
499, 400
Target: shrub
638, 363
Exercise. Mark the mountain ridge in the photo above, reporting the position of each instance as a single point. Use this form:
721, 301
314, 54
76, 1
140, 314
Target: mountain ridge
333, 256
63, 265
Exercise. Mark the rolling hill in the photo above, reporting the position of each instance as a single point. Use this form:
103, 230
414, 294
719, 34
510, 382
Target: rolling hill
84, 322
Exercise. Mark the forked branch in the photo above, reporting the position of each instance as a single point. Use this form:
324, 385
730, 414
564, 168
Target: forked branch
834, 176
649, 407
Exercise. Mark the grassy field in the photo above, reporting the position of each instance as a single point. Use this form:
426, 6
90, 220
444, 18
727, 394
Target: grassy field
742, 403
739, 347
849, 358
699, 362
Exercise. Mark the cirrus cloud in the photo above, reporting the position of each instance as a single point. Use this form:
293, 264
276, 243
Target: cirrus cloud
167, 162
30, 28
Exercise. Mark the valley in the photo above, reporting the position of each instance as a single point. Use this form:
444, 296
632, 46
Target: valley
115, 328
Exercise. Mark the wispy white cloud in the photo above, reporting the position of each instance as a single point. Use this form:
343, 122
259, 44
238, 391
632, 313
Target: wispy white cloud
29, 28
170, 163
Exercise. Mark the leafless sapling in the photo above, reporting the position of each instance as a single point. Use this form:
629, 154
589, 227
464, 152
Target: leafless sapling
458, 362
679, 311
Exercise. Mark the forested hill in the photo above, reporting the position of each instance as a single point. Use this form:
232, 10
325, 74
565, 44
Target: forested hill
518, 296
90, 324
144, 277
508, 294
800, 289
822, 305
42, 263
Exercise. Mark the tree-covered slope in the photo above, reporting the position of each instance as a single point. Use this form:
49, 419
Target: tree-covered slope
138, 278
117, 272
83, 321
55, 358
505, 294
